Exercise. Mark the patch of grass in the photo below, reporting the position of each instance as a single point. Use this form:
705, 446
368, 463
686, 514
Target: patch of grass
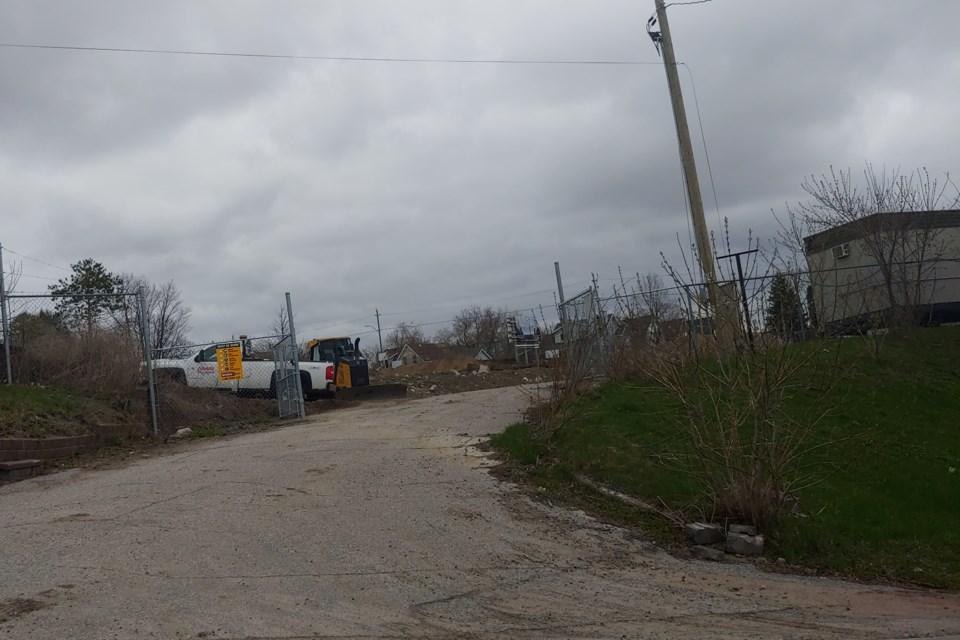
890, 511
38, 412
519, 444
209, 432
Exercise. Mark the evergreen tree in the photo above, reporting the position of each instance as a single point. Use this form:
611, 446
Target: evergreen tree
79, 309
784, 311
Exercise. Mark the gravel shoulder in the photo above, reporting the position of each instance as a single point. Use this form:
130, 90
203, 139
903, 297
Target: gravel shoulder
380, 521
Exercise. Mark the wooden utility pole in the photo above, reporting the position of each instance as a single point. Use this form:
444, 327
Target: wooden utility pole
686, 155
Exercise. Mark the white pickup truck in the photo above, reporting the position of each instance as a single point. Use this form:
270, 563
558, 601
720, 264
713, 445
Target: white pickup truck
259, 374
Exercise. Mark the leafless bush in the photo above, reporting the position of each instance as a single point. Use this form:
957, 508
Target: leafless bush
100, 361
749, 412
182, 406
571, 375
747, 426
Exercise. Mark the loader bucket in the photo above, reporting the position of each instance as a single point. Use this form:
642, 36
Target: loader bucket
373, 392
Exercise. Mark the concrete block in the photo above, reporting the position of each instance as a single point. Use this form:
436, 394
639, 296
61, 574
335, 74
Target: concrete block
18, 464
744, 545
19, 469
707, 553
703, 533
748, 529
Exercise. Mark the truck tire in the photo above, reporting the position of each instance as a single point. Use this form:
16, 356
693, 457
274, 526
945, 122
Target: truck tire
306, 384
272, 393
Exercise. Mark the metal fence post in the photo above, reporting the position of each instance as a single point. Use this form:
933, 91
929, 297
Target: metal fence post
5, 320
148, 359
301, 410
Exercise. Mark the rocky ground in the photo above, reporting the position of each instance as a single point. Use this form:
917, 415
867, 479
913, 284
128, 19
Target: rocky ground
458, 375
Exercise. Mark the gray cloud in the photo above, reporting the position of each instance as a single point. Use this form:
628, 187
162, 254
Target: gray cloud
421, 188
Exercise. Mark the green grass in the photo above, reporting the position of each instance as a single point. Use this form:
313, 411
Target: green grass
37, 412
891, 510
208, 432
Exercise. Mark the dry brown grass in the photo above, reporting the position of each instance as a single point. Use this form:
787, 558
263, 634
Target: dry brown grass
181, 406
102, 361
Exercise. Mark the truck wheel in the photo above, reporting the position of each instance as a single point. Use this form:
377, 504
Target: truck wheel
306, 385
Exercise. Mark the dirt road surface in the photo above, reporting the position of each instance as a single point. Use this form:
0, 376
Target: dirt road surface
380, 522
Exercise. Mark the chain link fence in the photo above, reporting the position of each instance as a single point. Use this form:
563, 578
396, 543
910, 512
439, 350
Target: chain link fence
750, 310
99, 346
253, 378
92, 344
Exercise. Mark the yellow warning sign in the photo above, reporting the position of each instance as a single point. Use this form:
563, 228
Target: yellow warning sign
229, 361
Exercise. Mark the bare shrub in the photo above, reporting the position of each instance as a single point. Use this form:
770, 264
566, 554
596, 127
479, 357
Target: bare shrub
105, 361
750, 411
183, 406
750, 419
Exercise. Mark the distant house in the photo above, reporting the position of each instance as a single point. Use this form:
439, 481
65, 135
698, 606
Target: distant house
429, 352
636, 329
918, 269
387, 358
549, 347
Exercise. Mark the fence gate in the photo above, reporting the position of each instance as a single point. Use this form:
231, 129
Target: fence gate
287, 385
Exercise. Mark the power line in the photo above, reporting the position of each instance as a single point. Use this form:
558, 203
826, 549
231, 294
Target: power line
29, 275
703, 138
35, 260
278, 56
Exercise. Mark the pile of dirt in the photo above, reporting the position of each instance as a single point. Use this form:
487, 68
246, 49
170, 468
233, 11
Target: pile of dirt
181, 406
430, 383
457, 363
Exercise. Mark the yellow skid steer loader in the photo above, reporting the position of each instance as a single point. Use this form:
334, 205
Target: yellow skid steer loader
351, 370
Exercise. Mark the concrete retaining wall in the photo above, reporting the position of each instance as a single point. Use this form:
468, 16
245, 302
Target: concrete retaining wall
63, 446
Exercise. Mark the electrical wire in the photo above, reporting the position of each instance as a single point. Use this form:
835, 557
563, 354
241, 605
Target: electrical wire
8, 250
703, 139
29, 275
277, 56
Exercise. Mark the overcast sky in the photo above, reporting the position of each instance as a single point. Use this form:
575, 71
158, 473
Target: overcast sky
420, 188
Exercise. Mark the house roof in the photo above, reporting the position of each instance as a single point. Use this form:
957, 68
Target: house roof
848, 231
634, 325
426, 351
429, 351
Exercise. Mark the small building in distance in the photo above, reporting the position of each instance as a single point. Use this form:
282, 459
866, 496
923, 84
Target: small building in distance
886, 267
430, 352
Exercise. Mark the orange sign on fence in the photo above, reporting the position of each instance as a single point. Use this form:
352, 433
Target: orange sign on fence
229, 361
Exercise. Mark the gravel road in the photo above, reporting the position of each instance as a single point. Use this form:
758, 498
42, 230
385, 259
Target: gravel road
380, 522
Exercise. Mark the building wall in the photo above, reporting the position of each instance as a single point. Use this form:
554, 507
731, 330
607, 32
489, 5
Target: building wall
407, 356
853, 287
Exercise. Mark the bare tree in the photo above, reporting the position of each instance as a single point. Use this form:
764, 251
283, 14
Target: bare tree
658, 302
404, 333
904, 247
477, 328
169, 317
281, 322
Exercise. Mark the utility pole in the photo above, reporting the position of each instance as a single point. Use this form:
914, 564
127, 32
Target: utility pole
686, 155
379, 336
556, 267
